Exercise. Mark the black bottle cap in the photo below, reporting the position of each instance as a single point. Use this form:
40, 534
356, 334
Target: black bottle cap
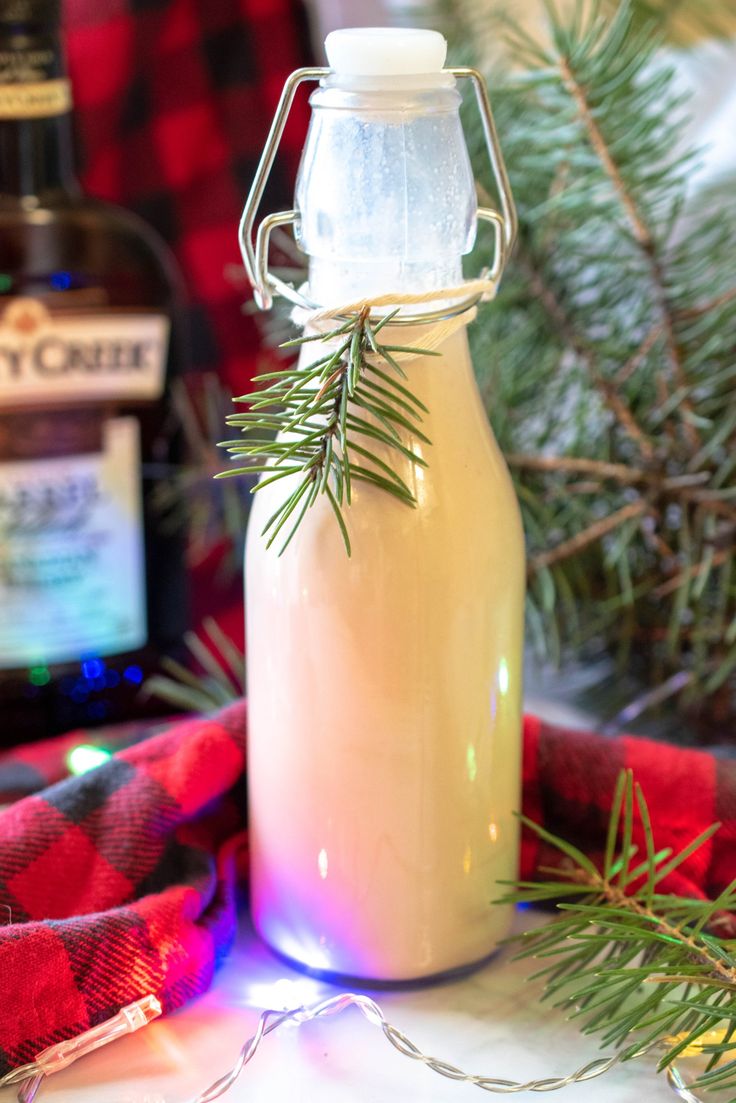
39, 13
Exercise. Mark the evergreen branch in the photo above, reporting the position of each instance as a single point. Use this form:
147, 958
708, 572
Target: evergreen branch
611, 342
611, 395
624, 958
320, 413
594, 532
642, 233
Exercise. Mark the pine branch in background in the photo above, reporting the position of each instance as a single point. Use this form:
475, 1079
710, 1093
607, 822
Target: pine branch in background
609, 357
326, 426
636, 967
221, 679
186, 497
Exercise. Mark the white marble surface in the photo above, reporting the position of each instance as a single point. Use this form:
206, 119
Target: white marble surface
488, 1023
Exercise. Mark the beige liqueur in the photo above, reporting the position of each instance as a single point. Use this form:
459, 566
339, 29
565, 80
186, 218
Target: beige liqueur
385, 696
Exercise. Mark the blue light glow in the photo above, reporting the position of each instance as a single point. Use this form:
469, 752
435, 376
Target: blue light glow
93, 668
133, 674
61, 281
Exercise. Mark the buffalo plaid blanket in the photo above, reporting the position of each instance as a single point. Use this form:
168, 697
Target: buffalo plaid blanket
122, 881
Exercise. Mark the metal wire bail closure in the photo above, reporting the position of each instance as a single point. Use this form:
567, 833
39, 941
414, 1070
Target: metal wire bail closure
255, 256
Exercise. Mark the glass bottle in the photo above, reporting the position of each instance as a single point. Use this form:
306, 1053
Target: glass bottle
91, 590
385, 688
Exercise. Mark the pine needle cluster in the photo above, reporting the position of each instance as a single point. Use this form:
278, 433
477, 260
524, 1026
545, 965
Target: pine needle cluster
340, 418
638, 968
609, 356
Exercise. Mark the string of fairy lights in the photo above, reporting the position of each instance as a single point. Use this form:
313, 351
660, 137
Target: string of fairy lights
29, 1078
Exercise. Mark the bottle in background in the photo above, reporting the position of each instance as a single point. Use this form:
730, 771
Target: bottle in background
92, 592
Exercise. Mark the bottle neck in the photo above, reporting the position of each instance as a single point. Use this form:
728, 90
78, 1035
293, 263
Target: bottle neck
385, 192
36, 139
332, 282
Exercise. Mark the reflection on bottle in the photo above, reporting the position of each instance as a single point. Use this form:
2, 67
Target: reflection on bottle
322, 864
503, 677
471, 762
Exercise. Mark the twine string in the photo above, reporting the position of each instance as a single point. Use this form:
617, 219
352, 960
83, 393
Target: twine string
321, 319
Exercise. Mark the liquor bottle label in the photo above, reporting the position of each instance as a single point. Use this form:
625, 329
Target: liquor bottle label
31, 83
72, 570
36, 99
65, 357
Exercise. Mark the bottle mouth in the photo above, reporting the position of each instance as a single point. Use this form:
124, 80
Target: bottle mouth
387, 57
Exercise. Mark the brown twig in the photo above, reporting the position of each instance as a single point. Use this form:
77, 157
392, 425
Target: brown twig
688, 575
589, 535
639, 356
654, 539
619, 899
688, 486
579, 465
706, 307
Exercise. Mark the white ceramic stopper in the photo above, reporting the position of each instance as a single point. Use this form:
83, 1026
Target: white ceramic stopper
385, 51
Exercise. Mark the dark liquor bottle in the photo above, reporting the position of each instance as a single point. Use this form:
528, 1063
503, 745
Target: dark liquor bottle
92, 592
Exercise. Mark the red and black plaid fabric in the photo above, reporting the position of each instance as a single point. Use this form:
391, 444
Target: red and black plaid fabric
173, 100
122, 882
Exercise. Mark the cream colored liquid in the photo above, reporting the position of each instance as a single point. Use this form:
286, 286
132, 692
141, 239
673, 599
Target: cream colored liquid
384, 705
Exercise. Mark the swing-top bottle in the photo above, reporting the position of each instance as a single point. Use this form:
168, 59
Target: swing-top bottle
385, 687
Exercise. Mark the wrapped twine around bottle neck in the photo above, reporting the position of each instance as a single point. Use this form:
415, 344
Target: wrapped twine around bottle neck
434, 333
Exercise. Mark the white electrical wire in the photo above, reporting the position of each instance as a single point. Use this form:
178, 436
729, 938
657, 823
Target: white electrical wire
679, 1087
129, 1019
29, 1077
271, 1020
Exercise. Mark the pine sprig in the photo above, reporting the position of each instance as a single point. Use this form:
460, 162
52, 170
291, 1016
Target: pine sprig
608, 358
334, 421
632, 965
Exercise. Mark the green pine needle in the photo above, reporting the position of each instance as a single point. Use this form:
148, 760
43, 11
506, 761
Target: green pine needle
308, 424
635, 966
